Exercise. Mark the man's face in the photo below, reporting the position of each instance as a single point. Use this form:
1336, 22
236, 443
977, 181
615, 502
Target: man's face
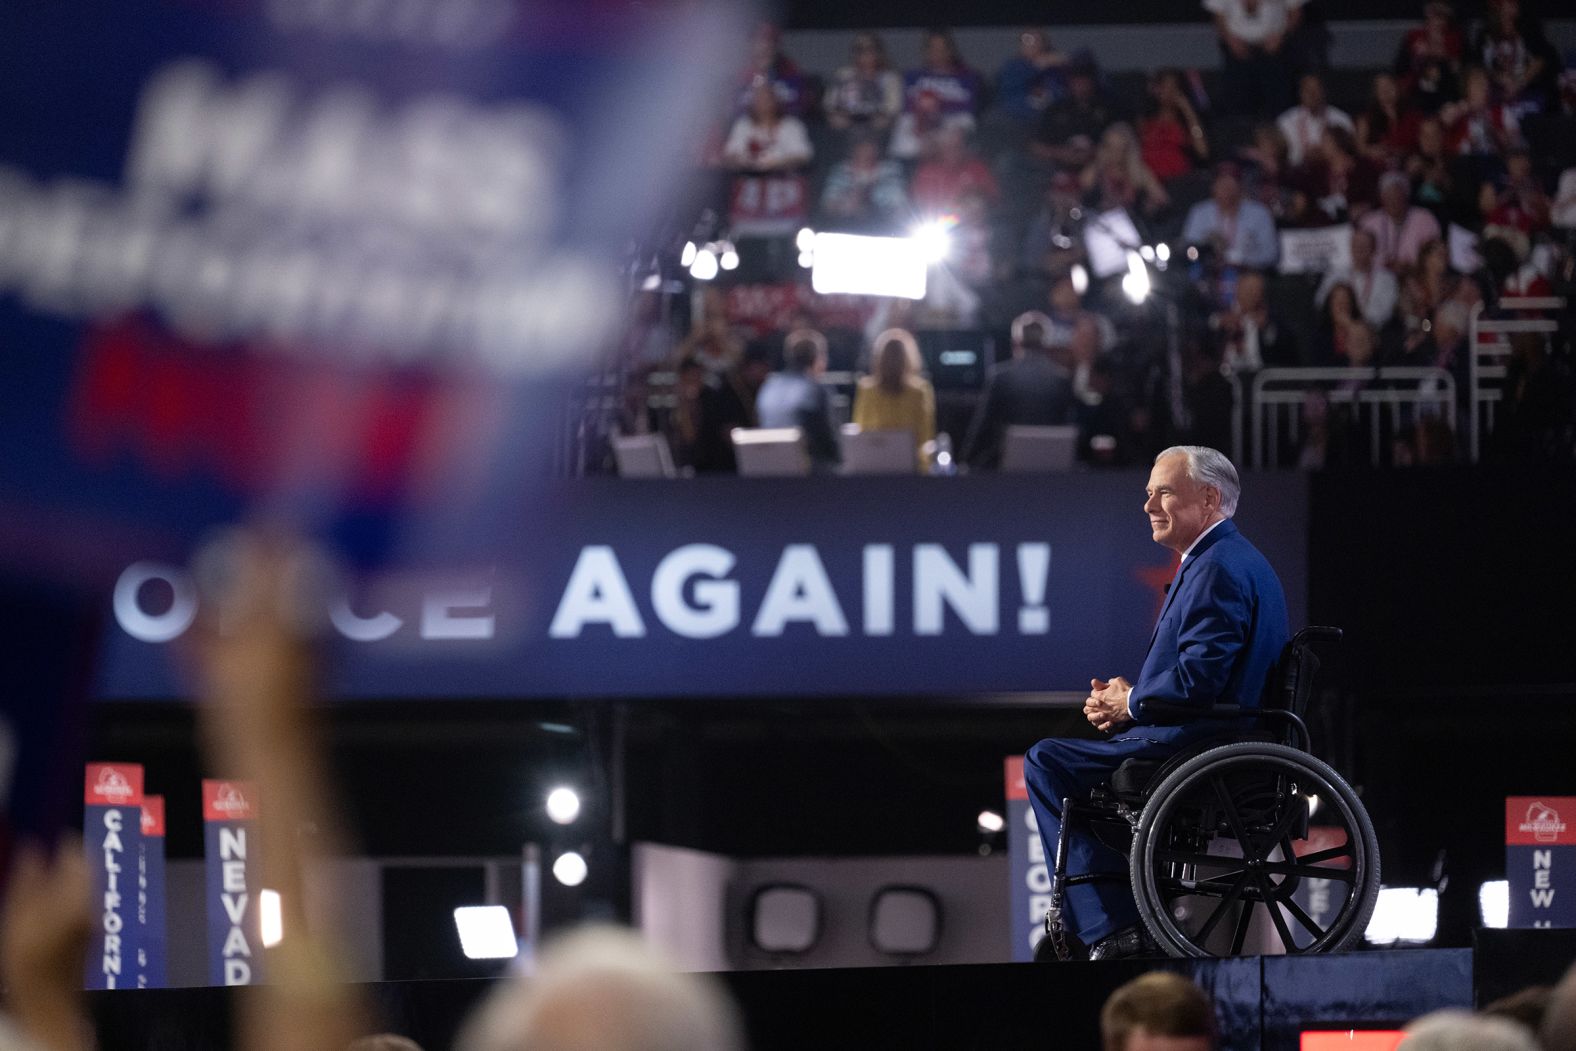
1143, 1040
1362, 249
1178, 509
1227, 191
1311, 93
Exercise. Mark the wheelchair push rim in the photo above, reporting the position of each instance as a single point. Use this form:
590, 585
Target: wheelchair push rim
1255, 802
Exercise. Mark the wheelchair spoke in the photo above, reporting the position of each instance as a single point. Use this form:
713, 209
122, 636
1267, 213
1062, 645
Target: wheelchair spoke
1233, 818
1304, 919
1330, 854
1214, 887
1275, 914
1239, 936
1281, 868
1220, 910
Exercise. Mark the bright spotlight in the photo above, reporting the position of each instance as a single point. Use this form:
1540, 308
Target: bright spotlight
991, 822
1494, 903
730, 258
570, 869
688, 257
705, 265
1163, 252
1147, 252
1135, 283
1404, 914
933, 240
807, 259
271, 920
805, 239
1079, 277
563, 805
486, 932
852, 264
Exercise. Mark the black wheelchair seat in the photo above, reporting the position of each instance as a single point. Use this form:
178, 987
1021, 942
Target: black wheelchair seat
1133, 781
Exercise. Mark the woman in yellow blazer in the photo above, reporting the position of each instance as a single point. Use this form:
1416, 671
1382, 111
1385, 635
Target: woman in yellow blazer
895, 397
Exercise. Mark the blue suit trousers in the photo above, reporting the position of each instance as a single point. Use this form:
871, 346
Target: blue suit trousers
1059, 768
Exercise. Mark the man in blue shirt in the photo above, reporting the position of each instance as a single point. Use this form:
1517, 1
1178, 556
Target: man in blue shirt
794, 397
1219, 636
1241, 231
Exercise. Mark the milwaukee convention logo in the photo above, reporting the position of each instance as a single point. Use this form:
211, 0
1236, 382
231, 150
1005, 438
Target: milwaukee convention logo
1544, 823
229, 801
112, 787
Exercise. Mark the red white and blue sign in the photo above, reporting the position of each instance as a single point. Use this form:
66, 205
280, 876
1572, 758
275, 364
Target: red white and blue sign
1031, 870
233, 884
112, 834
153, 946
1540, 860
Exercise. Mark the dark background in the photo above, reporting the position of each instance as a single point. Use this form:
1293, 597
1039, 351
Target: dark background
868, 14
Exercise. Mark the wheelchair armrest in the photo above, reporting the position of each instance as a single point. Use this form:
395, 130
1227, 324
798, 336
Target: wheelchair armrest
1167, 714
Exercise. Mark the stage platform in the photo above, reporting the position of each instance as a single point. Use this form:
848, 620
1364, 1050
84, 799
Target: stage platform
1265, 1002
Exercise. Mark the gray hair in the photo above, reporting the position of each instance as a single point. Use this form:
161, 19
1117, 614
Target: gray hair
1210, 467
1454, 1030
602, 988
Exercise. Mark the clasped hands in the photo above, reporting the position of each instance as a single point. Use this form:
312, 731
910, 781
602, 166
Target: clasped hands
1106, 705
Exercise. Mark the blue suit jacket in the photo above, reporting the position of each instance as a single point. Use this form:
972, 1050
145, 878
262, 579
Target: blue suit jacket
1219, 636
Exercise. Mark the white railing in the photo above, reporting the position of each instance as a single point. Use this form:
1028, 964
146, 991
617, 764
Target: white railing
1277, 396
1486, 356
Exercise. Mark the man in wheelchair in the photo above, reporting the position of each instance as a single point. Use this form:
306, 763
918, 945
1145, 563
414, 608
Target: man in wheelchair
1218, 814
1218, 639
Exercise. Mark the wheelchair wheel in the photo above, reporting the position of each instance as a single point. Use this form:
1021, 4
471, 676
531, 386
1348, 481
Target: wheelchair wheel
1257, 847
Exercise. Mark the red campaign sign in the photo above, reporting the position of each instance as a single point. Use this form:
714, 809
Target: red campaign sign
766, 308
228, 801
153, 816
113, 784
1547, 821
766, 203
1016, 787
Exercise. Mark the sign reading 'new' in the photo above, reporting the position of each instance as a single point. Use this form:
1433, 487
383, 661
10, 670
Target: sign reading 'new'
235, 944
1540, 860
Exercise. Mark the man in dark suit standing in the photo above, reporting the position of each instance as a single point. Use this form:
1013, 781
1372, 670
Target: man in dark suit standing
1219, 636
1033, 390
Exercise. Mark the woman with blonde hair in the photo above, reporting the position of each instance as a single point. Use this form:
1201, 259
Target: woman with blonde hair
1117, 177
895, 397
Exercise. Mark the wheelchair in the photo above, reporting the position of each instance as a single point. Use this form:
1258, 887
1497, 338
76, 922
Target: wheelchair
1243, 841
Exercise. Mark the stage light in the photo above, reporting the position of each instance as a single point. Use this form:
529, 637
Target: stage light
805, 240
1135, 283
688, 258
1494, 903
270, 918
730, 258
563, 805
1404, 915
807, 259
570, 869
651, 282
853, 264
1080, 278
933, 240
705, 266
1163, 252
486, 932
990, 822
1147, 252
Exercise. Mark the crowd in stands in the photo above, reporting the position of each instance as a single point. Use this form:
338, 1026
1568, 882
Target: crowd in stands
1454, 170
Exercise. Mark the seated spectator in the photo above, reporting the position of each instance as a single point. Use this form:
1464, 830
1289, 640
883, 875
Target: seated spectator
794, 397
765, 139
1461, 1030
1563, 212
1241, 232
1477, 126
1158, 1011
1373, 287
1256, 67
1335, 183
1032, 390
1054, 241
1247, 336
1507, 260
1429, 168
1266, 169
1070, 126
867, 94
915, 134
1522, 64
1429, 57
1031, 79
944, 74
1304, 124
1116, 177
955, 170
1518, 198
1171, 136
866, 190
1338, 318
604, 989
767, 64
895, 397
1400, 229
1387, 129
